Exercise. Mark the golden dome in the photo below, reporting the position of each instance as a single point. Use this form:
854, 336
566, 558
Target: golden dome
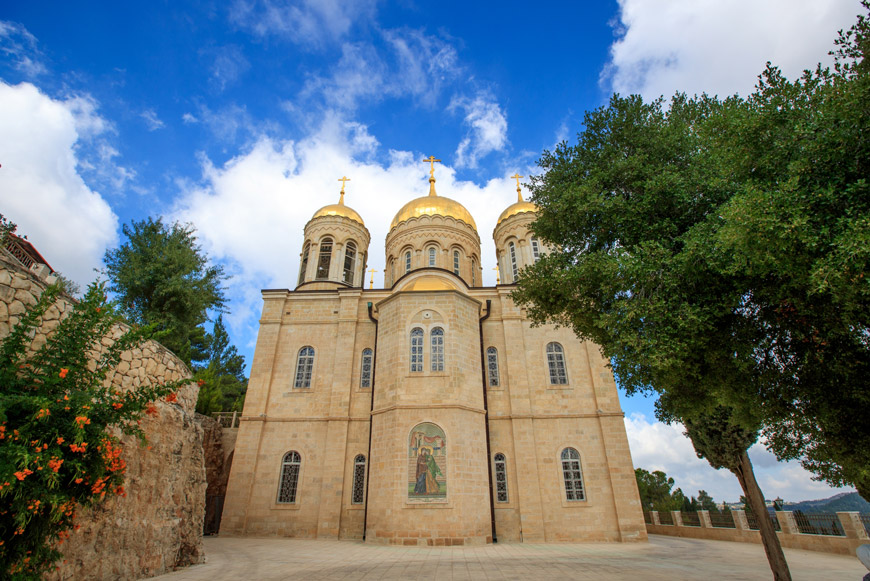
339, 209
430, 283
519, 207
431, 206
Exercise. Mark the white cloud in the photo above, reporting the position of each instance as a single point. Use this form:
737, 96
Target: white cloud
189, 118
658, 446
487, 128
41, 188
19, 46
309, 23
716, 47
228, 65
151, 120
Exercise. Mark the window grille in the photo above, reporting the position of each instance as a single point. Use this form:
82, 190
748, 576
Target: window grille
408, 261
303, 266
436, 337
431, 256
359, 479
492, 366
289, 477
456, 262
304, 365
365, 375
573, 475
501, 491
349, 259
536, 250
513, 251
417, 350
556, 364
324, 258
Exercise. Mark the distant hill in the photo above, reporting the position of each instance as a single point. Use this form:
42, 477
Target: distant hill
845, 501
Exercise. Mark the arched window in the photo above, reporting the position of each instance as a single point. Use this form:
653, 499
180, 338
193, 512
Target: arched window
431, 256
359, 479
556, 364
303, 266
408, 261
365, 374
536, 249
456, 262
501, 491
417, 349
289, 477
492, 366
573, 475
513, 252
473, 272
392, 271
324, 258
304, 365
349, 260
436, 337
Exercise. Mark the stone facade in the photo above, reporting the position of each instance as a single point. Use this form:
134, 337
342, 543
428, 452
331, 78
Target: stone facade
157, 527
469, 426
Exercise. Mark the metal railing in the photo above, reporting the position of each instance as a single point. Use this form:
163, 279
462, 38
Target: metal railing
819, 524
228, 419
691, 519
666, 518
752, 519
722, 520
647, 517
19, 253
865, 520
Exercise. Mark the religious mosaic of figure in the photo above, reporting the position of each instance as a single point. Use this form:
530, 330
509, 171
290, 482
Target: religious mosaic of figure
427, 464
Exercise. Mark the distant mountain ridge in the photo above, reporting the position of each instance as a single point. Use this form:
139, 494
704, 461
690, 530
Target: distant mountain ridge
845, 501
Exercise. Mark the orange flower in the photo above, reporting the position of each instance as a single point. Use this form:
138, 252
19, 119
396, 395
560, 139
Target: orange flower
117, 405
42, 413
82, 420
60, 440
22, 474
151, 410
76, 448
201, 382
63, 372
171, 397
98, 309
55, 463
79, 480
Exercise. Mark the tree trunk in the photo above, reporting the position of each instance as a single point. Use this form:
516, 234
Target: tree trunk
752, 491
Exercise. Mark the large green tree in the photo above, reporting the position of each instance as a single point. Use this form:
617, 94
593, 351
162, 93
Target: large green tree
161, 277
222, 377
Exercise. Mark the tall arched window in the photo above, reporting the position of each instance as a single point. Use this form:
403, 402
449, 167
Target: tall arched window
417, 349
536, 249
289, 477
392, 271
324, 259
303, 266
349, 262
365, 374
408, 261
573, 475
501, 491
492, 366
304, 365
556, 364
456, 262
436, 337
473, 272
431, 256
513, 252
359, 479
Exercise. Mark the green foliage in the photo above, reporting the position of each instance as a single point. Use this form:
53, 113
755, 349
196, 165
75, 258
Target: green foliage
222, 380
6, 228
58, 448
655, 494
718, 252
161, 277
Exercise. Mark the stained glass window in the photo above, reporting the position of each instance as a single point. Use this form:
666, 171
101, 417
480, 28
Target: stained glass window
432, 256
513, 252
408, 261
501, 491
456, 262
437, 339
289, 477
324, 258
365, 374
492, 366
304, 365
304, 264
556, 364
417, 349
359, 479
573, 475
536, 249
349, 260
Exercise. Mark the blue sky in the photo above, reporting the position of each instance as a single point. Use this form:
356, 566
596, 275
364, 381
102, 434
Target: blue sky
240, 117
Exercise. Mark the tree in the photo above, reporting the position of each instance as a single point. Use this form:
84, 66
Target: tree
655, 491
59, 425
222, 379
706, 502
161, 277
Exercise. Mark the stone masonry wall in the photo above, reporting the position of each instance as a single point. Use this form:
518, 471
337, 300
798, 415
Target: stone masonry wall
157, 527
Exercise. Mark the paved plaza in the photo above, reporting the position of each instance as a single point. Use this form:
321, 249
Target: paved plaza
662, 558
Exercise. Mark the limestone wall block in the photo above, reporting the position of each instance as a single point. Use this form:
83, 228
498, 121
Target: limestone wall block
4, 312
16, 308
51, 313
19, 282
6, 293
5, 278
25, 296
126, 356
123, 367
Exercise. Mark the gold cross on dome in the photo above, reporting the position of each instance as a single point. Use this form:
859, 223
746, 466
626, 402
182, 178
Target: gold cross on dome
517, 177
497, 280
372, 281
343, 179
431, 159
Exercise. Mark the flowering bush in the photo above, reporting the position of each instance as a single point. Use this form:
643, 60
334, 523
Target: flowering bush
59, 451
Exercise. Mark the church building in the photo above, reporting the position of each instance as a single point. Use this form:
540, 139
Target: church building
428, 412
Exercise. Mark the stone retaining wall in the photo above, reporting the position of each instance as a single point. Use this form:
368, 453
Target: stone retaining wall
157, 527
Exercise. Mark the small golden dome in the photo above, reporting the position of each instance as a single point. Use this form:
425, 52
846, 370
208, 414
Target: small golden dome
339, 209
519, 207
429, 283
